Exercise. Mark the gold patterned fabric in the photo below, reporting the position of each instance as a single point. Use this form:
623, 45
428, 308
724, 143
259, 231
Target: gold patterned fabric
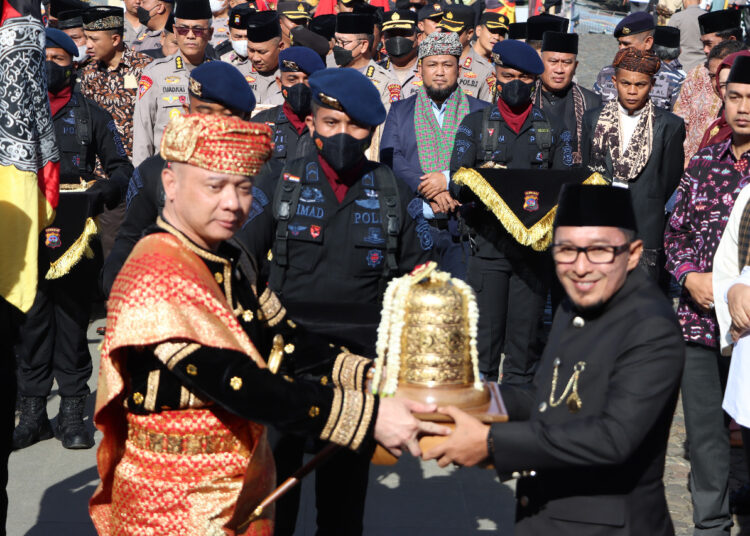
349, 371
178, 480
217, 143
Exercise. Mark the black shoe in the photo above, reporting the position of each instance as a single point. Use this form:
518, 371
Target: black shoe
71, 429
33, 425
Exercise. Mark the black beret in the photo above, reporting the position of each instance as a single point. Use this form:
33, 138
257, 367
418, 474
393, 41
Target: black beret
740, 73
349, 91
324, 25
566, 43
719, 21
494, 22
538, 24
103, 18
355, 23
517, 30
263, 26
429, 11
635, 23
193, 10
304, 37
70, 19
59, 39
293, 10
586, 205
238, 16
298, 59
667, 36
401, 19
56, 7
222, 83
517, 55
457, 18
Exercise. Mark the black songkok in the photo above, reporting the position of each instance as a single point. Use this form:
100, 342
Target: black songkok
583, 205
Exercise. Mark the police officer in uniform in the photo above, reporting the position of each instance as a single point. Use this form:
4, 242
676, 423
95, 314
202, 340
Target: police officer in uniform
153, 15
52, 339
291, 136
214, 88
590, 456
557, 94
291, 15
263, 47
353, 41
234, 49
344, 226
428, 19
476, 75
636, 30
511, 281
163, 88
400, 41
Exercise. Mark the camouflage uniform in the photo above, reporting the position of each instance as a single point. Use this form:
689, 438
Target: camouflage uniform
667, 85
477, 76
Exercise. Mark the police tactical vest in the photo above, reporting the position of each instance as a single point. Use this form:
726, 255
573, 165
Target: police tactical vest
286, 205
76, 136
497, 150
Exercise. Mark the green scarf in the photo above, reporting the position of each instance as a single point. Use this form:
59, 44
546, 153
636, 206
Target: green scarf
435, 143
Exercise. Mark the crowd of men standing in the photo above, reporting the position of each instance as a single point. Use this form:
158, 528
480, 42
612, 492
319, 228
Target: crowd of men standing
455, 87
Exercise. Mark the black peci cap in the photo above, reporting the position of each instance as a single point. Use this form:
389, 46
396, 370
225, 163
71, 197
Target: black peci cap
585, 205
566, 43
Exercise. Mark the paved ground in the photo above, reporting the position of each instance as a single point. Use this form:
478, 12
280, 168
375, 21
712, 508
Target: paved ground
49, 486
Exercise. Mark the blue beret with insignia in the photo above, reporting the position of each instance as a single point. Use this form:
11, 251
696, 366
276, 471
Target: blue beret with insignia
298, 59
517, 55
635, 23
349, 91
220, 82
59, 39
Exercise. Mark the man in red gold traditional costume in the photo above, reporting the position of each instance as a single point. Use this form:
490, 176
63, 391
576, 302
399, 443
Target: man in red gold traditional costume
182, 374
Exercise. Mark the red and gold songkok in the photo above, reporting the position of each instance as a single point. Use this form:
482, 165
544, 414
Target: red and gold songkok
637, 61
225, 144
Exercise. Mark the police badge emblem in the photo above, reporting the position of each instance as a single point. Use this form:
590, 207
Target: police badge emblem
531, 201
52, 237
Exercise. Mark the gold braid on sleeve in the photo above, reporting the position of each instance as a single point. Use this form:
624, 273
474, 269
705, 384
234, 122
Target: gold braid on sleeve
349, 371
170, 353
349, 420
272, 312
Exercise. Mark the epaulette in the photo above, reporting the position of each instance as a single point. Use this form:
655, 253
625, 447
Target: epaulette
178, 63
370, 71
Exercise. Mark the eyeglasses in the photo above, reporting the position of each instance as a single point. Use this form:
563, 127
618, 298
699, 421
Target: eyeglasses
198, 31
342, 43
565, 254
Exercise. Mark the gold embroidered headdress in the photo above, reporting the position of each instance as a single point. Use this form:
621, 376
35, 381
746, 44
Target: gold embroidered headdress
217, 143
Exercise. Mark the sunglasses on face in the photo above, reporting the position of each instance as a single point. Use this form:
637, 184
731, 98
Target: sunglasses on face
198, 31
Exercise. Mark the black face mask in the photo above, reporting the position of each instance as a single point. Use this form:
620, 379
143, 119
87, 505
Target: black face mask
143, 14
398, 46
342, 56
341, 151
58, 76
516, 93
299, 97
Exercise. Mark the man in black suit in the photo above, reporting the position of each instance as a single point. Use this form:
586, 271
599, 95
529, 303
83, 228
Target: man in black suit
590, 433
637, 145
407, 154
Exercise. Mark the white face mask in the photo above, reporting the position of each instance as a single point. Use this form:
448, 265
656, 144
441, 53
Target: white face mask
240, 47
81, 54
216, 5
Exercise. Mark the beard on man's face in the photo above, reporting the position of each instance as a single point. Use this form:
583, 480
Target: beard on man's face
438, 94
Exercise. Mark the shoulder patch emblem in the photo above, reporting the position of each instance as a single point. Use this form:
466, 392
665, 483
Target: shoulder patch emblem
144, 85
395, 92
250, 79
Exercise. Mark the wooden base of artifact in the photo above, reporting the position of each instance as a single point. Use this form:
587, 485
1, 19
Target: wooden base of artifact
486, 405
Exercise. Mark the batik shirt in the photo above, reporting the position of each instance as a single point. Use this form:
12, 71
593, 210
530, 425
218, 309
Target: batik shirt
698, 105
116, 90
705, 197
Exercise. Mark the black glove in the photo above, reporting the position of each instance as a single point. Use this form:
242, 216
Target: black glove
106, 193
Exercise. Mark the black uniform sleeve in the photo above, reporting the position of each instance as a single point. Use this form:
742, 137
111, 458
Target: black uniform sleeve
466, 144
143, 207
109, 148
416, 244
232, 380
641, 391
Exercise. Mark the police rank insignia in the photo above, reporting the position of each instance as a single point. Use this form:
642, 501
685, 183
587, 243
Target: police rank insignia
370, 71
178, 62
467, 62
144, 85
531, 201
52, 237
